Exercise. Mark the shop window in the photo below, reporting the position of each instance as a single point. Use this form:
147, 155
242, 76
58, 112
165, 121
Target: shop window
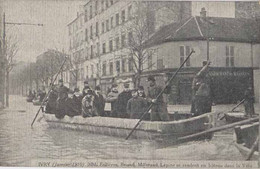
184, 52
111, 45
118, 66
123, 16
111, 68
230, 61
117, 19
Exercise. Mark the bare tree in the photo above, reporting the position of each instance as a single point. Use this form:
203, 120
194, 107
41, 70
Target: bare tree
10, 49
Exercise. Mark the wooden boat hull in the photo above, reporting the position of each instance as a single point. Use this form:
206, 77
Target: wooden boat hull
233, 117
151, 130
245, 136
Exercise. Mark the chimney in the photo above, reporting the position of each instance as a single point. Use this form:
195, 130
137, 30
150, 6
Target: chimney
203, 12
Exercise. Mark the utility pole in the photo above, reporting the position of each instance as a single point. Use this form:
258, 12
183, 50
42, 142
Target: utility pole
6, 73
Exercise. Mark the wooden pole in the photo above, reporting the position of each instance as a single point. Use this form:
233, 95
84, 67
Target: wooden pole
242, 101
212, 130
151, 105
61, 68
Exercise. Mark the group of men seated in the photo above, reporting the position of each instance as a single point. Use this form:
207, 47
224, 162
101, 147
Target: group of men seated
130, 103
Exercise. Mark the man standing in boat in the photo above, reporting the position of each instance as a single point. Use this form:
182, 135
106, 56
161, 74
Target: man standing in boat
122, 100
159, 110
249, 102
61, 101
201, 100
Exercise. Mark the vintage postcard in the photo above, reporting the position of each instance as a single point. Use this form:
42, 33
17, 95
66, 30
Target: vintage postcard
129, 83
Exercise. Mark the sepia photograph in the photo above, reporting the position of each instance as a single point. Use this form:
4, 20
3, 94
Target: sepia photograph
129, 83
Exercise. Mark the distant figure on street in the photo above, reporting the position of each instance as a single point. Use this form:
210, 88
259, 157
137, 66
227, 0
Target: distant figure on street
141, 92
88, 108
61, 100
136, 106
249, 102
201, 100
112, 98
122, 100
159, 110
99, 101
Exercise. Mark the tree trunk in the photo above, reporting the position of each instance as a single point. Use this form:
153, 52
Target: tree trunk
7, 89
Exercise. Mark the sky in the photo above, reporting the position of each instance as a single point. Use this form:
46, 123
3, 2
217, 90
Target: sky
34, 40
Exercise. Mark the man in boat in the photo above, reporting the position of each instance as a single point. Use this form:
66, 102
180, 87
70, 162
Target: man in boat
136, 105
141, 92
61, 100
112, 98
88, 108
159, 110
122, 100
201, 100
74, 103
85, 88
99, 101
51, 101
249, 102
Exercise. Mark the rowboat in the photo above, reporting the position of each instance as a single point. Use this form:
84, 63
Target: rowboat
232, 117
183, 125
245, 136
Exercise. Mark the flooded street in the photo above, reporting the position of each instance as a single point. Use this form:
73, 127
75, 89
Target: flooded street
19, 143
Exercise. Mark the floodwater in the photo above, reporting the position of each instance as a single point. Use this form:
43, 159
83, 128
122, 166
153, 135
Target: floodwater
19, 143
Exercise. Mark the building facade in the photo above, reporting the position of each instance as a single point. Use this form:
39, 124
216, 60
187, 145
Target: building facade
2, 72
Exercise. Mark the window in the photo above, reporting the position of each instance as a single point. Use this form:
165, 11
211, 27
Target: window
117, 43
104, 68
111, 2
90, 12
98, 69
130, 37
97, 30
123, 41
111, 22
123, 66
102, 5
184, 52
96, 7
123, 16
118, 66
107, 25
130, 65
91, 32
91, 52
150, 62
117, 19
111, 68
103, 27
86, 34
86, 15
92, 70
130, 12
98, 49
86, 54
104, 48
106, 3
230, 61
111, 45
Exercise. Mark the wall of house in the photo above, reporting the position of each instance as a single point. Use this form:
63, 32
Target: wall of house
256, 64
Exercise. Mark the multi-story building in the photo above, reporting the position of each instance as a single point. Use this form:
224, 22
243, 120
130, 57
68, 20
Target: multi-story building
108, 27
2, 76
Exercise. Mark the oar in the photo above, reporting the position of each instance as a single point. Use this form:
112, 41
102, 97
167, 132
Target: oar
242, 101
151, 105
48, 91
252, 150
212, 130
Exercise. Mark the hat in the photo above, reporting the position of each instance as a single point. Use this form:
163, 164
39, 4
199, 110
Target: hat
114, 85
97, 88
60, 80
126, 85
140, 87
151, 78
85, 82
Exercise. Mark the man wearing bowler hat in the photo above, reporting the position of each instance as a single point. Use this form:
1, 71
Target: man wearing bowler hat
159, 110
61, 101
